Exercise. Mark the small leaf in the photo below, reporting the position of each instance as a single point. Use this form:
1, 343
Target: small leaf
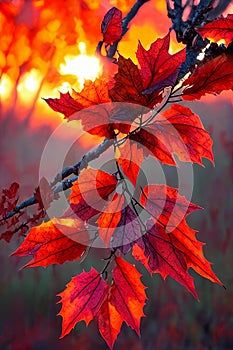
111, 26
65, 104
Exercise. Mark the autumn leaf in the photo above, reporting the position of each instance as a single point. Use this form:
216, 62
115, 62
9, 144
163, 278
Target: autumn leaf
82, 299
221, 28
90, 192
111, 26
127, 232
110, 218
65, 104
128, 83
128, 293
183, 134
109, 322
54, 242
184, 238
130, 158
149, 139
163, 257
9, 198
211, 78
165, 204
157, 65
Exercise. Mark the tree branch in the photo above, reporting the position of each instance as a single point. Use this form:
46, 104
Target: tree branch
185, 30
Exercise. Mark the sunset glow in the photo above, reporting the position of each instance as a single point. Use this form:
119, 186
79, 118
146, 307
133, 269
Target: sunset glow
84, 67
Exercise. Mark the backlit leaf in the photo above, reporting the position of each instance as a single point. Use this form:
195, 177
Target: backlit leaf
211, 78
82, 299
128, 293
54, 242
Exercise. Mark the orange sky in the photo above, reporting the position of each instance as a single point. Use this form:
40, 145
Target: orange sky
39, 40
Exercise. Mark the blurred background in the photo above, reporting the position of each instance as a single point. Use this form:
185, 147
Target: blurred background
46, 47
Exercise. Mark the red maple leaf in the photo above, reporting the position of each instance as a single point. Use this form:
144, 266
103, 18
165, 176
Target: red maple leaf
128, 293
110, 218
166, 205
211, 78
157, 65
111, 26
65, 104
176, 131
221, 28
130, 158
128, 85
82, 299
109, 322
54, 242
157, 253
90, 192
127, 231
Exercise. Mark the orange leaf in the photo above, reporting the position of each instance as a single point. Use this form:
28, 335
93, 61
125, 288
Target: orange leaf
90, 191
54, 242
110, 218
130, 159
109, 322
82, 299
128, 293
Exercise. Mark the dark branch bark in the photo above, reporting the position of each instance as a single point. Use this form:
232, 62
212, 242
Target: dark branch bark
185, 30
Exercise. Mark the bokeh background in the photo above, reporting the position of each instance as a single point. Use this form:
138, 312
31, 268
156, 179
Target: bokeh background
38, 40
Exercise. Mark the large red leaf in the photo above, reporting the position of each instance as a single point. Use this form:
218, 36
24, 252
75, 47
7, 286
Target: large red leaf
111, 26
221, 28
211, 78
90, 191
150, 139
184, 238
65, 104
164, 258
82, 299
183, 134
166, 205
130, 158
176, 131
110, 218
157, 65
128, 85
109, 322
54, 242
128, 293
